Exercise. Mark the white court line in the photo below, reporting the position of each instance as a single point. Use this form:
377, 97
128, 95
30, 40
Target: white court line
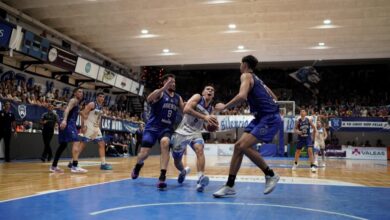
283, 180
60, 190
224, 203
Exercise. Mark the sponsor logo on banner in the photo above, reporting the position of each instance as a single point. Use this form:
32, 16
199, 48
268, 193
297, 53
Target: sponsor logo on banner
87, 68
229, 122
22, 110
62, 58
355, 151
336, 123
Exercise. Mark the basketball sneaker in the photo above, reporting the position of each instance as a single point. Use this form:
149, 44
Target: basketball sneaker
202, 182
270, 183
105, 166
78, 170
161, 185
294, 167
182, 175
55, 169
225, 191
313, 169
70, 164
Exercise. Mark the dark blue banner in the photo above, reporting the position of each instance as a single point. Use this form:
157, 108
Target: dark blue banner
5, 34
35, 46
360, 124
27, 112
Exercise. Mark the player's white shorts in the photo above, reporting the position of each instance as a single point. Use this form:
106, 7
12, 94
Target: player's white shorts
179, 143
92, 134
319, 145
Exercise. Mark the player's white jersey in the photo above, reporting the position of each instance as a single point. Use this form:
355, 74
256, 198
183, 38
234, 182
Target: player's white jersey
192, 125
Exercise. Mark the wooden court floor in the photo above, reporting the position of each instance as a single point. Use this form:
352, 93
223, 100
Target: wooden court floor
19, 179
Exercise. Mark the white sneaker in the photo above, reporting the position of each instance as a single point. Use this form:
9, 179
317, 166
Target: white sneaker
294, 167
225, 191
316, 162
55, 169
78, 170
313, 169
202, 182
270, 183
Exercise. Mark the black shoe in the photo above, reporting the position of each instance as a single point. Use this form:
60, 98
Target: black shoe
42, 159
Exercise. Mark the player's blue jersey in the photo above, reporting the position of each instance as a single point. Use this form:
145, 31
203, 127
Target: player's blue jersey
163, 112
260, 101
72, 117
304, 126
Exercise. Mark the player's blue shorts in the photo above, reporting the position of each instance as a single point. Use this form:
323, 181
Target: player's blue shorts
150, 136
265, 128
304, 142
69, 134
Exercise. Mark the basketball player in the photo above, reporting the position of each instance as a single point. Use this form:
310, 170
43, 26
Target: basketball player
302, 128
91, 116
68, 133
263, 106
319, 142
196, 111
165, 103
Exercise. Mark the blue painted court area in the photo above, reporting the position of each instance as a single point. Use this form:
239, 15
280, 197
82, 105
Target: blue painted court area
139, 199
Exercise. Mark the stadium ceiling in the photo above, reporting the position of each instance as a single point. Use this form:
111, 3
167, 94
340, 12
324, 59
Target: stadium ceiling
201, 32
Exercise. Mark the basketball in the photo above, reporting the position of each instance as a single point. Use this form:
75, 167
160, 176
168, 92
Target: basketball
211, 128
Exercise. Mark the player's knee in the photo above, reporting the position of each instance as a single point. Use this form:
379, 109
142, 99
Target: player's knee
164, 142
239, 147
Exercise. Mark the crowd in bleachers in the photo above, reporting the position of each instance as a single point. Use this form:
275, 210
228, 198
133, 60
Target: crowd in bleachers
20, 91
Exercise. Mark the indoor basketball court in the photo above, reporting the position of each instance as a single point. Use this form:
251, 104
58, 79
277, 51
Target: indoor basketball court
70, 66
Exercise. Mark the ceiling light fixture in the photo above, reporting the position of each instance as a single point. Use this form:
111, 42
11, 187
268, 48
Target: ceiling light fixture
327, 21
321, 44
165, 50
213, 2
240, 47
232, 26
144, 31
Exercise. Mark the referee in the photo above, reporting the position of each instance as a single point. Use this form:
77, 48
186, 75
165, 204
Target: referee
49, 120
7, 127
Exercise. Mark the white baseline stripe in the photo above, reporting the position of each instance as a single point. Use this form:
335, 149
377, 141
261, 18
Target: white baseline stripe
223, 203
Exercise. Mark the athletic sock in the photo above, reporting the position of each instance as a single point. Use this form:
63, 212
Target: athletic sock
269, 172
75, 163
162, 175
231, 180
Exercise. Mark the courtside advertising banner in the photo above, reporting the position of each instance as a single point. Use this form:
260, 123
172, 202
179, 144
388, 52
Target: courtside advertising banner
61, 58
87, 68
369, 153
